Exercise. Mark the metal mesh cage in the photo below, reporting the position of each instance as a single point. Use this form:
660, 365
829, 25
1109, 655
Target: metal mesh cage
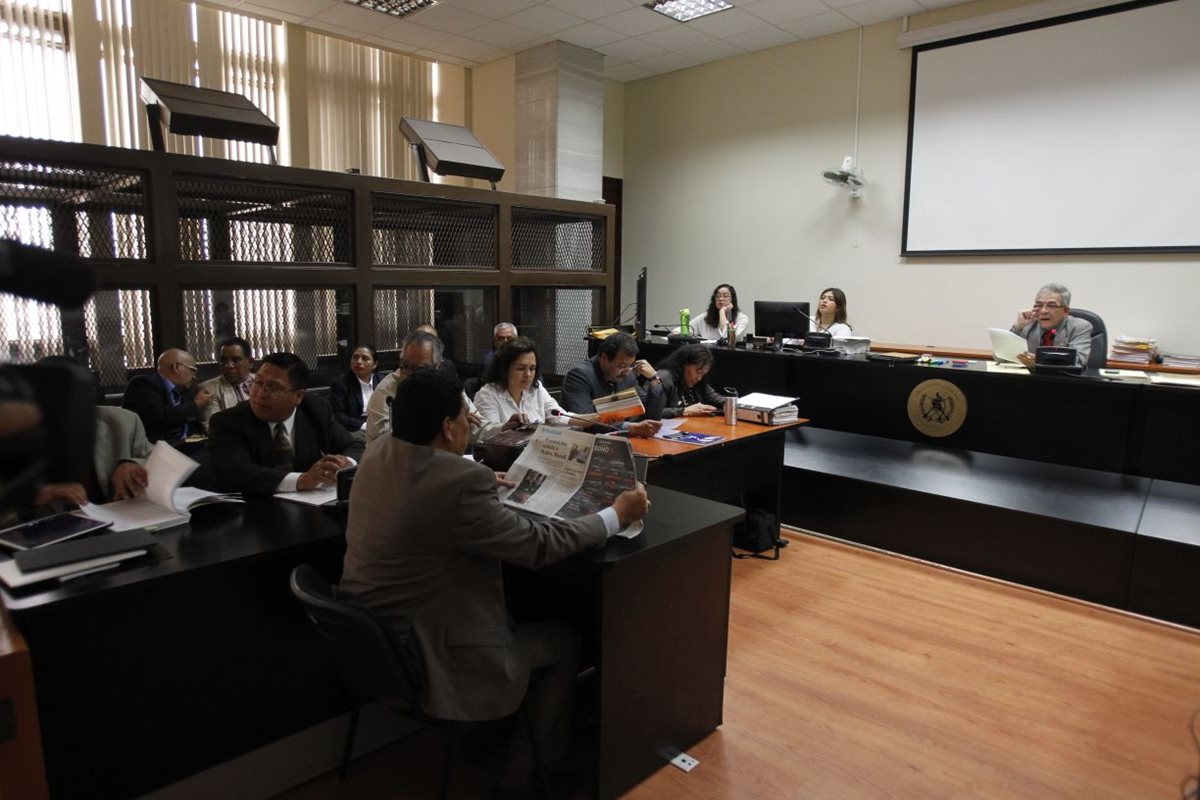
261, 223
463, 317
549, 240
415, 232
112, 334
300, 321
557, 319
87, 212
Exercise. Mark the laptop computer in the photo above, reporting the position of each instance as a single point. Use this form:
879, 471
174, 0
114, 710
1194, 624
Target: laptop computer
1006, 345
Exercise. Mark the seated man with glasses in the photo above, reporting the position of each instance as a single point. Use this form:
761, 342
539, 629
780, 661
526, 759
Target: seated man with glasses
614, 368
283, 440
420, 350
232, 386
168, 409
1049, 324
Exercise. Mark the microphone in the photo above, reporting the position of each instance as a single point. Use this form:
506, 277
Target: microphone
558, 412
41, 274
819, 327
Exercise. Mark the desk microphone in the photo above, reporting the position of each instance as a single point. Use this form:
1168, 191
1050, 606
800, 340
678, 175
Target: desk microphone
558, 412
817, 327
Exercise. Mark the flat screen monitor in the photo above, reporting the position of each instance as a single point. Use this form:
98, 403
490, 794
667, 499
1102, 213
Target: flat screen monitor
640, 311
774, 317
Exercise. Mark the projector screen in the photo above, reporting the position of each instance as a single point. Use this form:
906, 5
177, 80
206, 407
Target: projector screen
1075, 135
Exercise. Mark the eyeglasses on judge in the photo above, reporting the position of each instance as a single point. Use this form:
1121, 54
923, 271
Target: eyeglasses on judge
1051, 306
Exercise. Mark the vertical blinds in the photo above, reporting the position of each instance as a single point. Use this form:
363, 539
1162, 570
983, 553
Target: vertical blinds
34, 56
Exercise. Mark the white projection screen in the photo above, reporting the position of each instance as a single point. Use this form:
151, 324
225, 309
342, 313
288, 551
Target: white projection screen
1079, 135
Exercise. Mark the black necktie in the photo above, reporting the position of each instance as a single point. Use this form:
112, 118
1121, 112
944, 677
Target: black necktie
282, 449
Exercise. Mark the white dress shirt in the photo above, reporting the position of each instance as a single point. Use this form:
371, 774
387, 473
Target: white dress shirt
495, 404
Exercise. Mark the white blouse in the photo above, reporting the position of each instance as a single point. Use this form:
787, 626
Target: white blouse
840, 329
495, 404
701, 328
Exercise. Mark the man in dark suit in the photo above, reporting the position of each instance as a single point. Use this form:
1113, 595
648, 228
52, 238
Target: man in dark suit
614, 368
282, 440
424, 545
169, 410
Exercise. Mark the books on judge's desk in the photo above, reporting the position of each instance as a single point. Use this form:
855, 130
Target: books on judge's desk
767, 409
166, 502
568, 474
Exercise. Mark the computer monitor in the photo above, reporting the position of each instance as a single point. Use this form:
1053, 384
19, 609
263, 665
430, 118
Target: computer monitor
775, 317
640, 311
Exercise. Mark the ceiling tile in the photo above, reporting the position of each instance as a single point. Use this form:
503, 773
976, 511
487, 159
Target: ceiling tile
933, 5
637, 21
762, 38
358, 19
820, 25
777, 11
463, 47
592, 9
501, 34
589, 35
543, 19
726, 23
627, 72
444, 17
414, 35
711, 51
496, 9
328, 27
881, 11
667, 62
676, 37
270, 13
434, 55
630, 50
304, 8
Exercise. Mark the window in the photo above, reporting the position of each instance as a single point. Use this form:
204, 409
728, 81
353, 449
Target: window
33, 56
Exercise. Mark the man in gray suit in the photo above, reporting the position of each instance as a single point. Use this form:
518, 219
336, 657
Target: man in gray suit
118, 460
1049, 323
424, 545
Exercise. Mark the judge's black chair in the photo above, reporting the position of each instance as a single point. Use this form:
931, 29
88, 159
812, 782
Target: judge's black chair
1099, 355
375, 660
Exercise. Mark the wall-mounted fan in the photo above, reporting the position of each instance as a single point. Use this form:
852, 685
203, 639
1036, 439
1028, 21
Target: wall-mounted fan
848, 177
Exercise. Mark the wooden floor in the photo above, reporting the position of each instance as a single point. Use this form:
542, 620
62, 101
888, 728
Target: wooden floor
855, 674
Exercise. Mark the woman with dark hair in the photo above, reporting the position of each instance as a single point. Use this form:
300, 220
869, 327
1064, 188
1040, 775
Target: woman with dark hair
350, 393
511, 393
685, 392
722, 308
831, 313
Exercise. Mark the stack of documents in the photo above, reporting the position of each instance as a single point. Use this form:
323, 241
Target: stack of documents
767, 409
1133, 349
619, 406
1180, 360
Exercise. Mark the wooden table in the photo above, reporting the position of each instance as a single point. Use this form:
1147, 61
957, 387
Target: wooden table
744, 468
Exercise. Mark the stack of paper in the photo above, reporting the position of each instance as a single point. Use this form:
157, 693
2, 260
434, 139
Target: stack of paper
1180, 360
1133, 349
768, 409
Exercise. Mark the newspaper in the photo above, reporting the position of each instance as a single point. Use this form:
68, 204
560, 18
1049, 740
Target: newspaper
567, 474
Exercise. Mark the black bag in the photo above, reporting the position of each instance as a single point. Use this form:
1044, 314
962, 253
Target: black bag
759, 531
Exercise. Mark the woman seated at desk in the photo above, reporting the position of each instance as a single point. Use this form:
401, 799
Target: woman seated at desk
511, 393
351, 391
831, 313
722, 307
685, 392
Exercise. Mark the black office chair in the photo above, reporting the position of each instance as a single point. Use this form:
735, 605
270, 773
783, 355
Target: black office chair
1099, 355
377, 660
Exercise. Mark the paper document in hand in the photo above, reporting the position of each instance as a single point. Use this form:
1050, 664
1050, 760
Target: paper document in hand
619, 406
1006, 345
567, 474
157, 507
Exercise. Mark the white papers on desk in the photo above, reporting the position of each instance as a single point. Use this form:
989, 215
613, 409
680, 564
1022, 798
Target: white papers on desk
14, 578
764, 400
1168, 379
313, 497
1007, 367
159, 506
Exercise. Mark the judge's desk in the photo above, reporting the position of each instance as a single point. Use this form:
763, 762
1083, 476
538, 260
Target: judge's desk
198, 653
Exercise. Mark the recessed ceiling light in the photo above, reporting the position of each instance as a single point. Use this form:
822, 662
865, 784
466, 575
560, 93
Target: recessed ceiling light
397, 8
684, 10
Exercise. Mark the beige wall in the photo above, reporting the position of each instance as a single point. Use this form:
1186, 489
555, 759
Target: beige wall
722, 176
493, 114
614, 130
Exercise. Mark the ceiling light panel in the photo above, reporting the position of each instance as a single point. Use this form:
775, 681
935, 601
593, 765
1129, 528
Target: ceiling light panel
396, 8
685, 10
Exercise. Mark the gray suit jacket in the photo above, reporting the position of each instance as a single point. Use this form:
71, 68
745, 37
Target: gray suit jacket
424, 545
1073, 332
120, 436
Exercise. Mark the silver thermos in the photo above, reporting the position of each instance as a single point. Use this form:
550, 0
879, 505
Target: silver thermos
731, 398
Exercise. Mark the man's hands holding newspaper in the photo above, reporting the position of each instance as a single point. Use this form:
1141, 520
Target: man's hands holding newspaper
631, 505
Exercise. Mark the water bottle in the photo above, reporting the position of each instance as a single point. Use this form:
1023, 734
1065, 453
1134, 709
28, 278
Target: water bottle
731, 397
732, 332
685, 318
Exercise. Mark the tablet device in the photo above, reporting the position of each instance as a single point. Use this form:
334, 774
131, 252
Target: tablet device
48, 530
